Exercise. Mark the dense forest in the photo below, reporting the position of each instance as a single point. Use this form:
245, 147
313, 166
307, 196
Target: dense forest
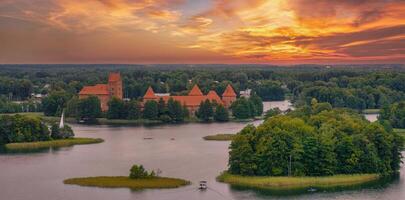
315, 140
357, 87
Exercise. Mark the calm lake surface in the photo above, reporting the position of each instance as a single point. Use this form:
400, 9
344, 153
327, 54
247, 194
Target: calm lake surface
38, 176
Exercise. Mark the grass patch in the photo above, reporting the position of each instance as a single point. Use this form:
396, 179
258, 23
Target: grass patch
371, 111
126, 182
51, 143
292, 183
219, 137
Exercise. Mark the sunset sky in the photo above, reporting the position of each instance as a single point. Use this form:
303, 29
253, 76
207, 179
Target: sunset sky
202, 31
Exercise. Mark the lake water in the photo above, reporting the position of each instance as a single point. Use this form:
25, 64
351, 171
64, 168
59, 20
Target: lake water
38, 176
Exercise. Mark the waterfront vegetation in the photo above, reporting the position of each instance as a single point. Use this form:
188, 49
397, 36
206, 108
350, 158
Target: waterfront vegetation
293, 183
126, 182
30, 132
51, 143
315, 140
220, 137
138, 178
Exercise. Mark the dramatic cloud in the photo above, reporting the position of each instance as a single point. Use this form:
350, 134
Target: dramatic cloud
177, 31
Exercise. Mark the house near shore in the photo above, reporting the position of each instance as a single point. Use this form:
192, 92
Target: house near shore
195, 97
104, 92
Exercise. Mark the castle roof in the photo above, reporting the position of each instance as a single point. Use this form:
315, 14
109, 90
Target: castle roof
195, 91
213, 96
112, 77
99, 89
229, 92
150, 94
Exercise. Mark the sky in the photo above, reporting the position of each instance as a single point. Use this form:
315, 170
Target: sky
202, 31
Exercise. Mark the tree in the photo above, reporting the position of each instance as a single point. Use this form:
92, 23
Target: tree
241, 156
116, 109
242, 109
395, 114
61, 133
134, 109
138, 172
221, 113
205, 111
72, 109
162, 107
258, 104
175, 110
151, 110
89, 109
54, 103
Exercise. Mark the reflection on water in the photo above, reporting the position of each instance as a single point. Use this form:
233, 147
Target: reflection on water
40, 175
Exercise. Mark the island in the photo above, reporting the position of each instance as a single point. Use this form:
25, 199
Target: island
30, 132
314, 146
220, 137
139, 178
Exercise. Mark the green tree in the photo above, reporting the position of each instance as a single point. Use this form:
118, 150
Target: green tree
221, 113
205, 111
89, 109
61, 133
139, 172
175, 110
151, 110
258, 104
54, 103
116, 109
134, 109
242, 109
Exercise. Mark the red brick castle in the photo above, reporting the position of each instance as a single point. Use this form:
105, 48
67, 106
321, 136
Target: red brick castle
104, 92
195, 97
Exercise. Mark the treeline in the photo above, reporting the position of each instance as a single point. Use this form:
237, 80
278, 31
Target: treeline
315, 141
7, 106
370, 91
21, 128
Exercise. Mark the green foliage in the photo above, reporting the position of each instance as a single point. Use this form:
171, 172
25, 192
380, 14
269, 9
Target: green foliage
258, 104
205, 111
272, 112
134, 110
270, 91
21, 128
89, 109
321, 142
243, 108
221, 113
175, 110
116, 109
151, 110
138, 172
61, 133
395, 114
54, 103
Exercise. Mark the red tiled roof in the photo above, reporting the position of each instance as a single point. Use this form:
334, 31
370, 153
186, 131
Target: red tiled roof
99, 89
150, 94
213, 96
187, 100
114, 77
195, 91
229, 92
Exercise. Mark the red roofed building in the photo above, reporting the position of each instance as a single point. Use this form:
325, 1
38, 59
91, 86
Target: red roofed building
195, 97
104, 92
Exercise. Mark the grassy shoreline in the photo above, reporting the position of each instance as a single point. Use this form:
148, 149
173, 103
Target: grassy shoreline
296, 183
126, 182
370, 111
219, 137
51, 143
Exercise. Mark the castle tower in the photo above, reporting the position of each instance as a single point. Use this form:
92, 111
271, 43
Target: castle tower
115, 85
229, 96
